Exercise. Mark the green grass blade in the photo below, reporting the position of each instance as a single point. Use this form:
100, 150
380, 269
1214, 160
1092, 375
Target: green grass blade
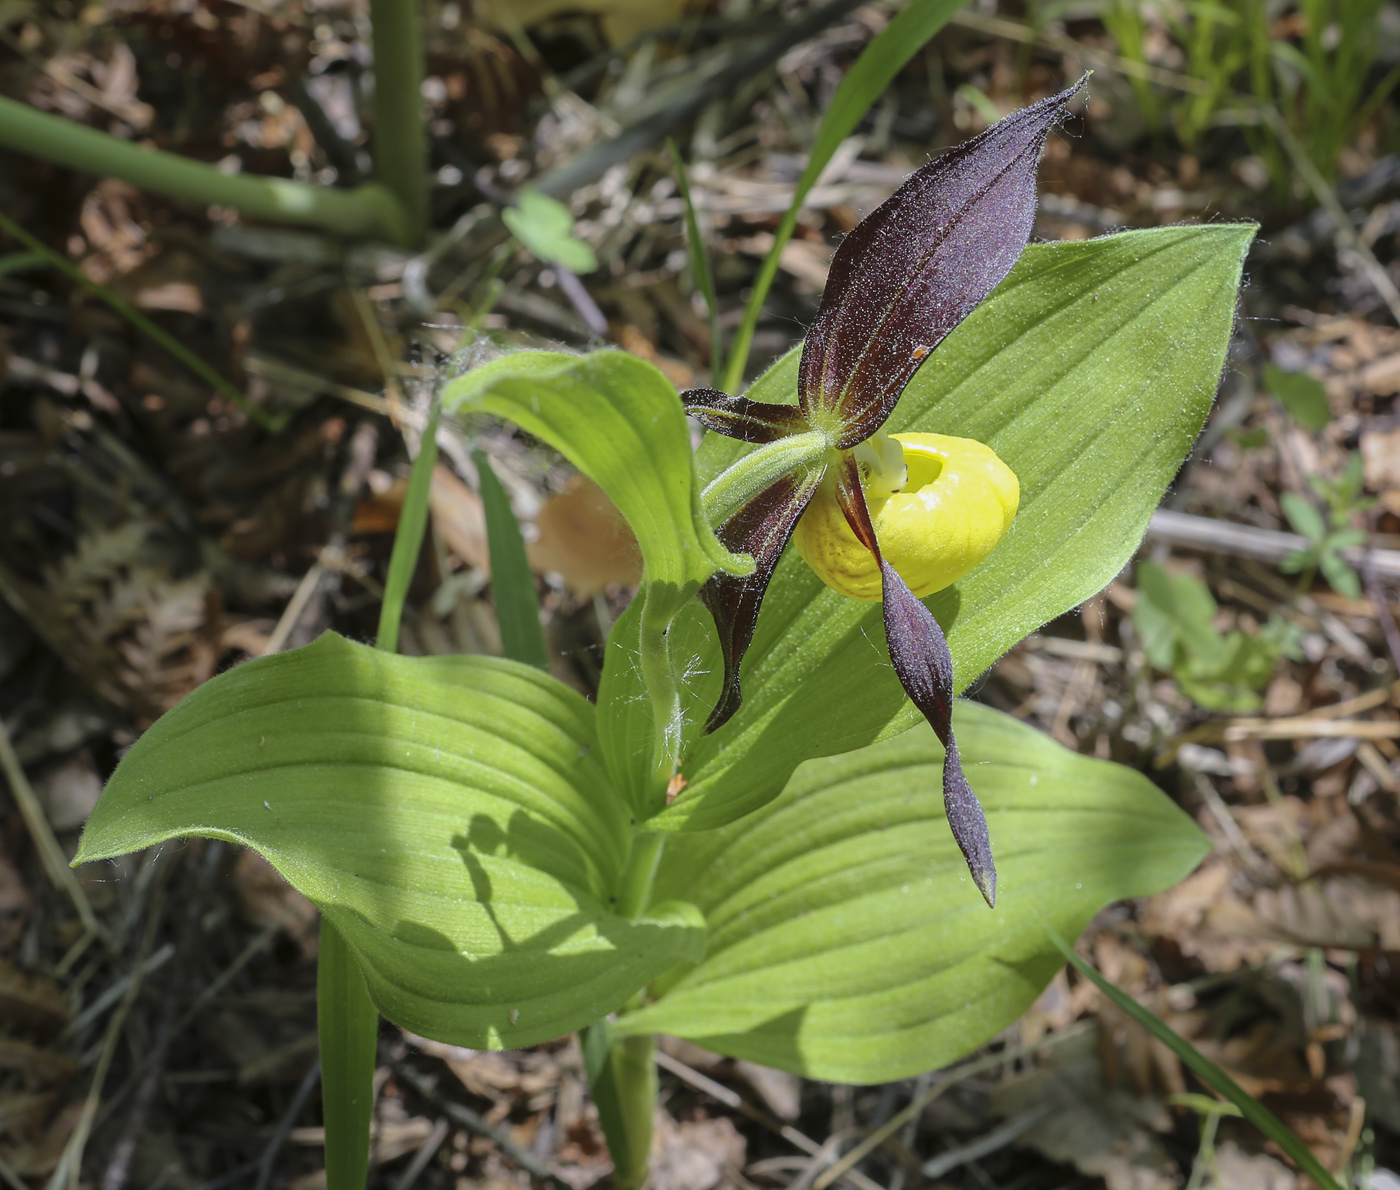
349, 1030
512, 583
882, 59
1211, 1074
143, 324
413, 520
699, 261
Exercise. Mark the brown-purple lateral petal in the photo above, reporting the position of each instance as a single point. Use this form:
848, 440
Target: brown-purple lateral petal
762, 528
738, 417
919, 653
918, 265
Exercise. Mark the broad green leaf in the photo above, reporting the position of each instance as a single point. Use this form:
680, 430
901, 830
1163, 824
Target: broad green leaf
1090, 371
546, 228
450, 816
1302, 395
846, 939
619, 421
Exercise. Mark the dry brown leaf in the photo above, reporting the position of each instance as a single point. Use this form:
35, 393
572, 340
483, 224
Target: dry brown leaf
31, 1003
693, 1154
459, 518
584, 539
1244, 1171
1104, 1132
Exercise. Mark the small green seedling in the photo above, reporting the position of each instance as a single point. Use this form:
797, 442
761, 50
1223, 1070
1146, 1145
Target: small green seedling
1328, 535
546, 228
1210, 1110
1302, 395
1174, 616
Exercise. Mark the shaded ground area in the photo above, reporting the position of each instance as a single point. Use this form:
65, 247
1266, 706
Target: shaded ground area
157, 1017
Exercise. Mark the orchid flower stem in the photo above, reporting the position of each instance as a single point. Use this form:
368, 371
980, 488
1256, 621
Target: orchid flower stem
634, 889
758, 469
661, 684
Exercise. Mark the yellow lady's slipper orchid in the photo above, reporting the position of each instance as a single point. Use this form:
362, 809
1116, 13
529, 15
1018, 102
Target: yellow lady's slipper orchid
879, 517
938, 512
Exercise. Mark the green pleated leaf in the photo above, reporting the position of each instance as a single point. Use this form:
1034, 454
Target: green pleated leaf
846, 938
619, 421
1090, 371
450, 815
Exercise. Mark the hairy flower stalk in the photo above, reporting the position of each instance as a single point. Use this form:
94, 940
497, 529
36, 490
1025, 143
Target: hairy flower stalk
899, 283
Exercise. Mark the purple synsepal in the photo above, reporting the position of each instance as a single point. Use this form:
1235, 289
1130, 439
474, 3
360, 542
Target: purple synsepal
762, 527
918, 265
738, 417
919, 653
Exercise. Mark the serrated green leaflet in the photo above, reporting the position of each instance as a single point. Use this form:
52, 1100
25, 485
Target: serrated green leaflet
846, 939
450, 815
1089, 371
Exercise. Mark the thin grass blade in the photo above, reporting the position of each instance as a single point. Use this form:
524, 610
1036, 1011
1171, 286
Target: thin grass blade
882, 59
408, 540
699, 260
512, 582
156, 334
1211, 1074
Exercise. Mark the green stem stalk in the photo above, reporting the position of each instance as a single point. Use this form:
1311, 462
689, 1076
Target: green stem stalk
662, 687
758, 469
348, 1024
400, 132
365, 212
634, 889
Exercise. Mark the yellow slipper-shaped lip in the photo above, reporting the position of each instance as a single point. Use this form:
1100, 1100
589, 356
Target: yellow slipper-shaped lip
956, 504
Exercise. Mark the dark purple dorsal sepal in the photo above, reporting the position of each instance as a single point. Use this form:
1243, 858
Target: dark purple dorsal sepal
918, 265
738, 417
762, 527
919, 653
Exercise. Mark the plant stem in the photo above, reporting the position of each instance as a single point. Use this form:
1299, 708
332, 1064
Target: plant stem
758, 469
348, 1024
657, 615
400, 133
365, 212
634, 889
622, 1079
